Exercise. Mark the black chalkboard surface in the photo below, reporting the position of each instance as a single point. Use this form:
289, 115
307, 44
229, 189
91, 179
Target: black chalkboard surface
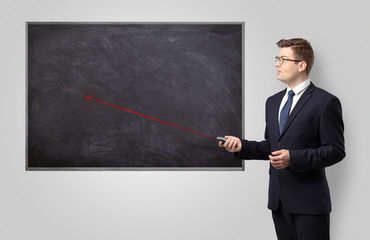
186, 74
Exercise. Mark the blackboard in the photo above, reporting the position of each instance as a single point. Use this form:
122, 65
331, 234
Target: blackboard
187, 74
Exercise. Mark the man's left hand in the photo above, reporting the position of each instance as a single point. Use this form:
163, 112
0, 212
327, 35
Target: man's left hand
280, 159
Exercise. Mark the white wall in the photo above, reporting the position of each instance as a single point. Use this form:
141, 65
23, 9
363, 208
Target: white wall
188, 205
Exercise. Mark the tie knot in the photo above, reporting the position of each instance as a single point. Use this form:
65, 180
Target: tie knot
291, 93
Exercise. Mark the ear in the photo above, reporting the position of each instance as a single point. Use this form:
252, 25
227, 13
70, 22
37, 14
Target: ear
302, 66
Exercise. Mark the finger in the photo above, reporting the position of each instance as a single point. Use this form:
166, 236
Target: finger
280, 166
274, 158
227, 145
277, 166
276, 162
236, 143
233, 144
220, 144
277, 152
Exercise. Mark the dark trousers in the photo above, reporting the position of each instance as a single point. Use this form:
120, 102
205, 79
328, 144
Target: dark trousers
290, 226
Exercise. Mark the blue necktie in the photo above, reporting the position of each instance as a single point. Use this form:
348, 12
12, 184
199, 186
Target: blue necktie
284, 114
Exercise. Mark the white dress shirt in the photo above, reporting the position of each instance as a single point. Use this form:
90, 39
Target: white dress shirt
298, 91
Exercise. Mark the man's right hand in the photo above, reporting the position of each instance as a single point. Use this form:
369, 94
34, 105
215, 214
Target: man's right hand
233, 144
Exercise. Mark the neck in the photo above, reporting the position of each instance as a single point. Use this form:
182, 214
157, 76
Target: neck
295, 82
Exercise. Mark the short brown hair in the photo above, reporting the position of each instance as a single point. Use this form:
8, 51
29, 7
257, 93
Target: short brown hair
302, 50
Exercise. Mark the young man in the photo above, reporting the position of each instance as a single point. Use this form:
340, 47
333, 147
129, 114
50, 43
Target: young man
303, 136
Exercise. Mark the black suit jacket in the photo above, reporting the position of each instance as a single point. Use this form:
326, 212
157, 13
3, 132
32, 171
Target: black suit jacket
314, 137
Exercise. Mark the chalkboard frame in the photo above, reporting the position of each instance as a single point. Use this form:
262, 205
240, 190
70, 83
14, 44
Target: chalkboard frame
28, 168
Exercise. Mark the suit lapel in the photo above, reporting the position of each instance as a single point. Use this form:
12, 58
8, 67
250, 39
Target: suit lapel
301, 102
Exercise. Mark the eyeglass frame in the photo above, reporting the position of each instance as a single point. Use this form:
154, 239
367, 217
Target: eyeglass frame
277, 59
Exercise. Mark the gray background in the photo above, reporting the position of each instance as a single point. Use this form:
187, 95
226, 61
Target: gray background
188, 205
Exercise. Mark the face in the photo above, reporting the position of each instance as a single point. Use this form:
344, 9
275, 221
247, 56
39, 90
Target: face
289, 71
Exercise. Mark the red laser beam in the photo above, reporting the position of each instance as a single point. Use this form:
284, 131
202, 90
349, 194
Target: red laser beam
155, 119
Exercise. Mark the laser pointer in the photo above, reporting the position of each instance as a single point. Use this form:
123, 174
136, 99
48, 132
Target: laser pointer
222, 139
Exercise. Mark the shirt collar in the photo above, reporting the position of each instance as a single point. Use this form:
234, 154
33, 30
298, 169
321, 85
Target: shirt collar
300, 88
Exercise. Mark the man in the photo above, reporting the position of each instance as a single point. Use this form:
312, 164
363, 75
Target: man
303, 136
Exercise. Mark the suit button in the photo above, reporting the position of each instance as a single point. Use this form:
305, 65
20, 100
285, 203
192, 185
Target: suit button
279, 144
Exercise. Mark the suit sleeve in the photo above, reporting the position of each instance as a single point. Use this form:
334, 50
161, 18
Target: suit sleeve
255, 150
332, 150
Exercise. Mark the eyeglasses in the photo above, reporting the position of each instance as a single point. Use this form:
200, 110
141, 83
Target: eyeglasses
281, 60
